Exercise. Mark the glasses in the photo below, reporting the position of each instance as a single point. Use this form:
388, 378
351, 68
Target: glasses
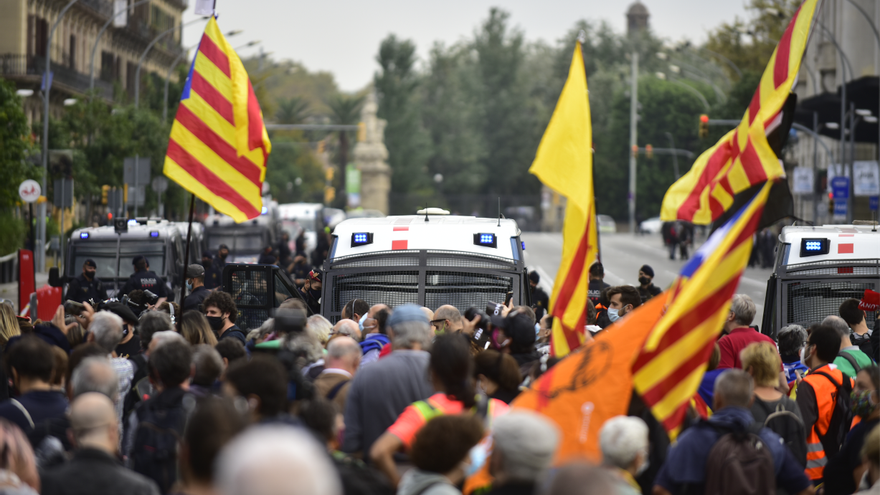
437, 323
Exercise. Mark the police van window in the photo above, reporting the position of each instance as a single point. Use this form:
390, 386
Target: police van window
242, 242
281, 292
104, 255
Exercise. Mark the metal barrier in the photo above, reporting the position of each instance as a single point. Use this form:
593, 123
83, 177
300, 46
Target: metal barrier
9, 268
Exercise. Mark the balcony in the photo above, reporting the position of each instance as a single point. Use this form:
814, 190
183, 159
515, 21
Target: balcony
30, 67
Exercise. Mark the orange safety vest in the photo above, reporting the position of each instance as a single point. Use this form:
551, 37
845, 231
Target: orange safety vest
826, 399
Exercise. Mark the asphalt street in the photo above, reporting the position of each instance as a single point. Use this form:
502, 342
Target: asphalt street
623, 255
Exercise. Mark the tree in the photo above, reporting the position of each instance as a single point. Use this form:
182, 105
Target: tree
292, 110
407, 142
15, 146
345, 110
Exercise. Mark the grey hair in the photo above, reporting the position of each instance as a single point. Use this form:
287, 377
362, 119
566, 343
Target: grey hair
735, 386
341, 347
838, 324
107, 329
208, 365
409, 333
320, 327
791, 338
527, 442
743, 309
621, 439
264, 460
305, 346
150, 323
167, 336
95, 374
266, 328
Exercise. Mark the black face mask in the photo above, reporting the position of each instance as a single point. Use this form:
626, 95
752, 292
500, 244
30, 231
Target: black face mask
644, 280
223, 256
215, 322
89, 275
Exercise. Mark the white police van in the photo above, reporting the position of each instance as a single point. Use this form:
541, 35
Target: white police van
816, 269
430, 259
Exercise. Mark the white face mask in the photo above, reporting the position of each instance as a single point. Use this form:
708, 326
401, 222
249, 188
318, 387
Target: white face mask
361, 322
803, 355
613, 314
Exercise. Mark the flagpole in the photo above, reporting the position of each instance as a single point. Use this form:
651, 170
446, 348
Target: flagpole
189, 228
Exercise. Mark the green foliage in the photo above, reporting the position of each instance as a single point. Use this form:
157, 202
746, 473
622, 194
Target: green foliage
291, 159
14, 232
293, 110
14, 146
407, 142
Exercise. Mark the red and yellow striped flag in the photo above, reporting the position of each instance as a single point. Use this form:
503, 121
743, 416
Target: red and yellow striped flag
564, 163
668, 370
219, 145
743, 157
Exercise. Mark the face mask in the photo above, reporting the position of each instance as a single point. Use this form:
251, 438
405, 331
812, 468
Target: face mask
861, 403
803, 355
361, 322
644, 280
477, 457
223, 256
189, 285
216, 323
537, 329
90, 275
641, 469
613, 314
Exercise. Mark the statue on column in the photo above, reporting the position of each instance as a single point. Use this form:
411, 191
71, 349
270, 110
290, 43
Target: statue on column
370, 155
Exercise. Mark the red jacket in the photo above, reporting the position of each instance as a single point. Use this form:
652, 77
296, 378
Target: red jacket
734, 342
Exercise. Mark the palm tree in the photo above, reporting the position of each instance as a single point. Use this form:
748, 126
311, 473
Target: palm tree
345, 110
292, 110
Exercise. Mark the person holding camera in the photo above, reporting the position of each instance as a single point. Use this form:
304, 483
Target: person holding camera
87, 287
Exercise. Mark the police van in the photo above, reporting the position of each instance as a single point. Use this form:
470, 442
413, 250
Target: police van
160, 241
245, 240
430, 259
816, 269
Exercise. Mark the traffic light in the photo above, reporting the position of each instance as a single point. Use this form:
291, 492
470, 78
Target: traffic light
104, 190
635, 150
328, 173
704, 126
320, 146
649, 151
329, 195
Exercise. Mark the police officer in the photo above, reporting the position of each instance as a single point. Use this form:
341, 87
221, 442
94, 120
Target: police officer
195, 284
87, 287
144, 279
539, 298
212, 274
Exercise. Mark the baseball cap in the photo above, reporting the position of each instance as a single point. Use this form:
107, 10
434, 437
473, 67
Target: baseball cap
138, 258
194, 270
518, 326
223, 246
647, 270
405, 313
534, 277
122, 311
90, 262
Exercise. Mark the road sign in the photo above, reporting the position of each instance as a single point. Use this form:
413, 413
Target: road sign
866, 176
136, 170
63, 193
840, 187
29, 191
803, 180
839, 207
874, 203
136, 195
159, 184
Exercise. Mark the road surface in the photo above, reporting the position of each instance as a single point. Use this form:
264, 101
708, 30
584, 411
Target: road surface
623, 255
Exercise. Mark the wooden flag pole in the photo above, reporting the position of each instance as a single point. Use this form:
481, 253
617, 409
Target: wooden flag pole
192, 207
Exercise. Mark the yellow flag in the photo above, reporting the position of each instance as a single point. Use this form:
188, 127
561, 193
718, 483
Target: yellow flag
564, 163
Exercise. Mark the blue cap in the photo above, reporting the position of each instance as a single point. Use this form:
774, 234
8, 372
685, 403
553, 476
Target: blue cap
407, 312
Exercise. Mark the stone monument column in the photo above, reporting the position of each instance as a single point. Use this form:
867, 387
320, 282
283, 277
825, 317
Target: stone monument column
370, 154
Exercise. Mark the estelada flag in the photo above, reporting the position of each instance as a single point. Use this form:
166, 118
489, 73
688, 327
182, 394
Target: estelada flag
743, 157
564, 163
592, 384
219, 145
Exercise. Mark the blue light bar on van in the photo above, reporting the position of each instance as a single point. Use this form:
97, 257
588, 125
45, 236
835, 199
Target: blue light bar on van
154, 233
815, 247
132, 221
264, 210
83, 235
486, 240
361, 239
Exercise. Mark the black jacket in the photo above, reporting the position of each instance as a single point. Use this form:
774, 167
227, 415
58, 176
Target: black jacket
195, 299
82, 289
94, 472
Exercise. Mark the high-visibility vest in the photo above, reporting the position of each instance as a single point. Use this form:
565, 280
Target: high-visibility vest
826, 399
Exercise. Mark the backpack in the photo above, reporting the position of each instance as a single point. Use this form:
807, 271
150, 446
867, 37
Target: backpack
851, 359
864, 344
333, 392
841, 418
790, 428
739, 463
156, 440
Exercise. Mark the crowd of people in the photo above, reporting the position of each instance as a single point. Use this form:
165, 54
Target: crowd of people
413, 401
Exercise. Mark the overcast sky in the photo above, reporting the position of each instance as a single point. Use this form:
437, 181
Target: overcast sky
343, 36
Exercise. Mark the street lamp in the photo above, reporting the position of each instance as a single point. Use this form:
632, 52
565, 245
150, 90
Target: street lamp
137, 73
41, 234
69, 102
171, 70
24, 93
871, 119
832, 125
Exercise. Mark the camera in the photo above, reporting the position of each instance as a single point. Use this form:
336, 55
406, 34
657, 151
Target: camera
150, 298
73, 307
481, 331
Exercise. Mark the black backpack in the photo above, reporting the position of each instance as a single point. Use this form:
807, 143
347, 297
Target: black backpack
740, 464
789, 427
841, 418
863, 342
157, 437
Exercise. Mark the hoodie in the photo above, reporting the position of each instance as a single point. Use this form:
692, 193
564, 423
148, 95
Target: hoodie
418, 482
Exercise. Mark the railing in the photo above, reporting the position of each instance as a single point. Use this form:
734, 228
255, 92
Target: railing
8, 268
13, 64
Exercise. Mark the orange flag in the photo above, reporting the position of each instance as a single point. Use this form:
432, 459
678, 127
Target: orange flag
592, 384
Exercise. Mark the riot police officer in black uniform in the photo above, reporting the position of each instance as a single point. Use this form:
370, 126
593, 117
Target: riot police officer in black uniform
144, 279
195, 283
87, 287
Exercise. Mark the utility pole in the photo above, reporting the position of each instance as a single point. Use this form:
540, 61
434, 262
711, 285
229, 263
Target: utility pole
633, 138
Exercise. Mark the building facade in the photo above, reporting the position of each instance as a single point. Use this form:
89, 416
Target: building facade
25, 26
